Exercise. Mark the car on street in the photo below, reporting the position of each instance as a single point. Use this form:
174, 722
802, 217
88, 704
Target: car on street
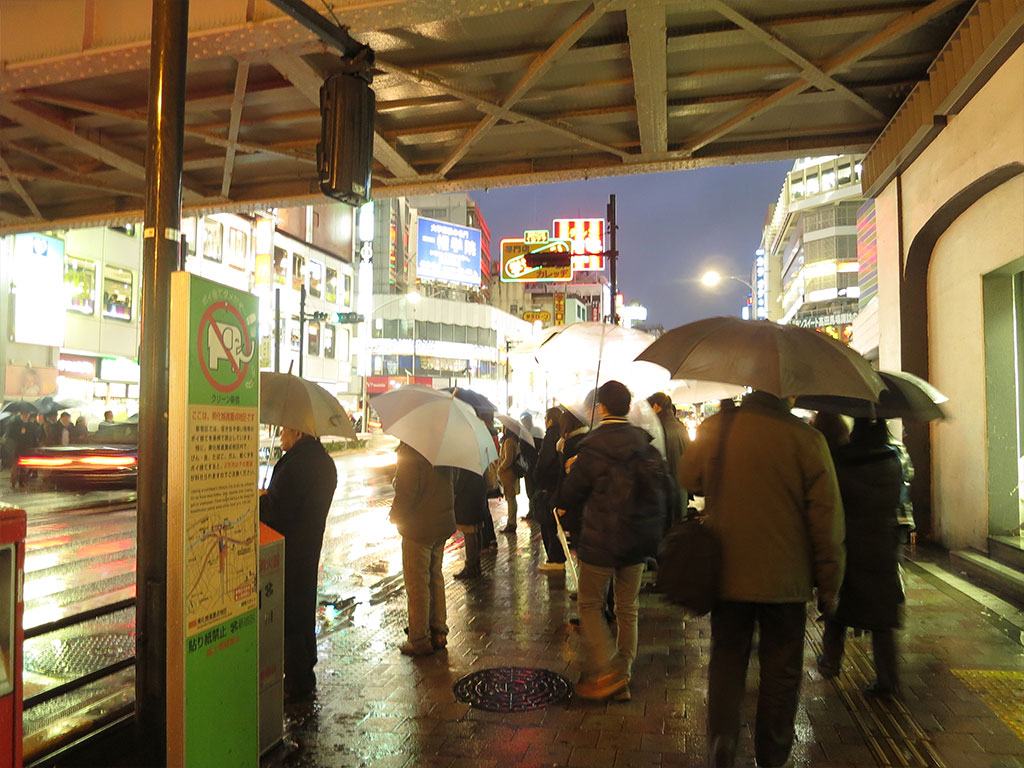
110, 459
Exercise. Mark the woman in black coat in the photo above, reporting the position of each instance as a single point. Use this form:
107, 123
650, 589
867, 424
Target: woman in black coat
471, 512
871, 598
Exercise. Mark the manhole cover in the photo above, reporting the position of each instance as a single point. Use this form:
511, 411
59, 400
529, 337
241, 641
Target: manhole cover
512, 689
80, 654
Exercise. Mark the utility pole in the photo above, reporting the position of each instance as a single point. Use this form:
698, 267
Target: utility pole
277, 330
160, 253
613, 255
508, 348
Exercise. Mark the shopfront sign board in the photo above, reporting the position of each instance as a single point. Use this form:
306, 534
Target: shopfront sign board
514, 268
447, 252
212, 526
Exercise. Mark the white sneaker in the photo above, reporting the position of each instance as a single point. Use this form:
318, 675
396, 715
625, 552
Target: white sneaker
551, 567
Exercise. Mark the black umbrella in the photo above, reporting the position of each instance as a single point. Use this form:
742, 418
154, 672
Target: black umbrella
905, 397
21, 406
47, 404
479, 403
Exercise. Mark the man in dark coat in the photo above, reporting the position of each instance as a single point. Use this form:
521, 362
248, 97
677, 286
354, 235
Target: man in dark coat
296, 506
871, 598
424, 512
621, 528
22, 437
547, 473
470, 510
676, 441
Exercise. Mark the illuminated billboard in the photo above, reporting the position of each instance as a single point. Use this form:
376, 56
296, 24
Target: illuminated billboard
515, 269
38, 278
586, 240
447, 252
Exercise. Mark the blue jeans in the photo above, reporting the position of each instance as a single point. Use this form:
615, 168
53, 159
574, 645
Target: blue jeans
424, 589
600, 655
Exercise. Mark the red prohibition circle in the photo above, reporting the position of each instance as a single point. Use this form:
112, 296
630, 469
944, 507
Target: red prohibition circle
207, 319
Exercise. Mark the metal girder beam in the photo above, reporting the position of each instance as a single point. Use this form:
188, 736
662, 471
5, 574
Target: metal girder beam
19, 188
647, 53
62, 133
854, 53
537, 69
131, 115
241, 76
308, 81
491, 108
809, 70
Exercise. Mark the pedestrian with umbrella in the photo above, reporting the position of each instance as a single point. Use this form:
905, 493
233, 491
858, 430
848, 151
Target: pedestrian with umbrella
22, 437
439, 434
296, 505
772, 500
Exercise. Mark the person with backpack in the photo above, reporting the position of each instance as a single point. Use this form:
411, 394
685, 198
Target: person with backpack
772, 500
619, 480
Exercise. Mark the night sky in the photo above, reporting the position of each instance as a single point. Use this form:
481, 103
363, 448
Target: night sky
672, 227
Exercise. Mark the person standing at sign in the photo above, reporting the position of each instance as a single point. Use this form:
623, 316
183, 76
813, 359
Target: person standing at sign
296, 506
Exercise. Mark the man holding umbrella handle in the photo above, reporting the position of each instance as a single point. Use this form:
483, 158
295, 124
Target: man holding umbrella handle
296, 506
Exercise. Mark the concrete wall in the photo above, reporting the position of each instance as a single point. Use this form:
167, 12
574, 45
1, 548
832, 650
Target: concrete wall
973, 235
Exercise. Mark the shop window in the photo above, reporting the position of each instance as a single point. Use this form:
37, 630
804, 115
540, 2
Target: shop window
80, 285
316, 279
330, 332
238, 248
332, 285
213, 240
117, 293
298, 271
280, 266
313, 338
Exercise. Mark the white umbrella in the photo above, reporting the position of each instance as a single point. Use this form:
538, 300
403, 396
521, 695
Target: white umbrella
445, 430
784, 360
689, 391
517, 428
590, 345
288, 401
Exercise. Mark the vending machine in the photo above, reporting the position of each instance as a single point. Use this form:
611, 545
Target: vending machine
12, 635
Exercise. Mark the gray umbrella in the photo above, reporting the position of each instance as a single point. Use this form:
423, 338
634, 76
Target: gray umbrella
905, 396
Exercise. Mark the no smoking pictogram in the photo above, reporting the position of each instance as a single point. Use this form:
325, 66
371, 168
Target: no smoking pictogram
224, 342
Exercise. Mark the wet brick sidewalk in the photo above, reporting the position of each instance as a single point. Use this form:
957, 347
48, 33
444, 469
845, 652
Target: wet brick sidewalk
962, 668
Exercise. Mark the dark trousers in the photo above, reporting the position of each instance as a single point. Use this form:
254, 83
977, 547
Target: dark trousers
780, 652
540, 502
883, 648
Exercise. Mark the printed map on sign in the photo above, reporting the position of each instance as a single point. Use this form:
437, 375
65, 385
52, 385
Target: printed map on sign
219, 567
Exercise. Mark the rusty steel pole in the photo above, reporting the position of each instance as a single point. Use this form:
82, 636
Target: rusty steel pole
160, 247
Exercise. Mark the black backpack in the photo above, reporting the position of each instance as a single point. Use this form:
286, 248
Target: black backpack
690, 566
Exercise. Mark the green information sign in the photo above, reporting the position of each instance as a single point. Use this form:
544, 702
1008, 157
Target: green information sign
213, 524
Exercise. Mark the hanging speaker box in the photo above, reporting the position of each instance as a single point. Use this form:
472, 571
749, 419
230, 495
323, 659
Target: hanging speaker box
344, 156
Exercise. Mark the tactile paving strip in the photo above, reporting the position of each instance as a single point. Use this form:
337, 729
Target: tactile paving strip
1002, 690
890, 731
512, 689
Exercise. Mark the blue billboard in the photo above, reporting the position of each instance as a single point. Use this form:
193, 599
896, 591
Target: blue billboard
447, 252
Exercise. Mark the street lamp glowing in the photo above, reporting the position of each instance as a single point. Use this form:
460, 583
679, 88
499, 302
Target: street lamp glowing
711, 278
413, 297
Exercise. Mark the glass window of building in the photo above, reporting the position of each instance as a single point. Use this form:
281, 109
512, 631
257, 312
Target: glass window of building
346, 297
80, 285
812, 184
213, 239
117, 293
344, 343
313, 338
332, 285
298, 271
329, 338
316, 278
280, 266
238, 248
293, 333
828, 179
796, 188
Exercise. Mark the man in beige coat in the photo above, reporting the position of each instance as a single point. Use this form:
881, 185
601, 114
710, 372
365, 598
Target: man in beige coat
772, 498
